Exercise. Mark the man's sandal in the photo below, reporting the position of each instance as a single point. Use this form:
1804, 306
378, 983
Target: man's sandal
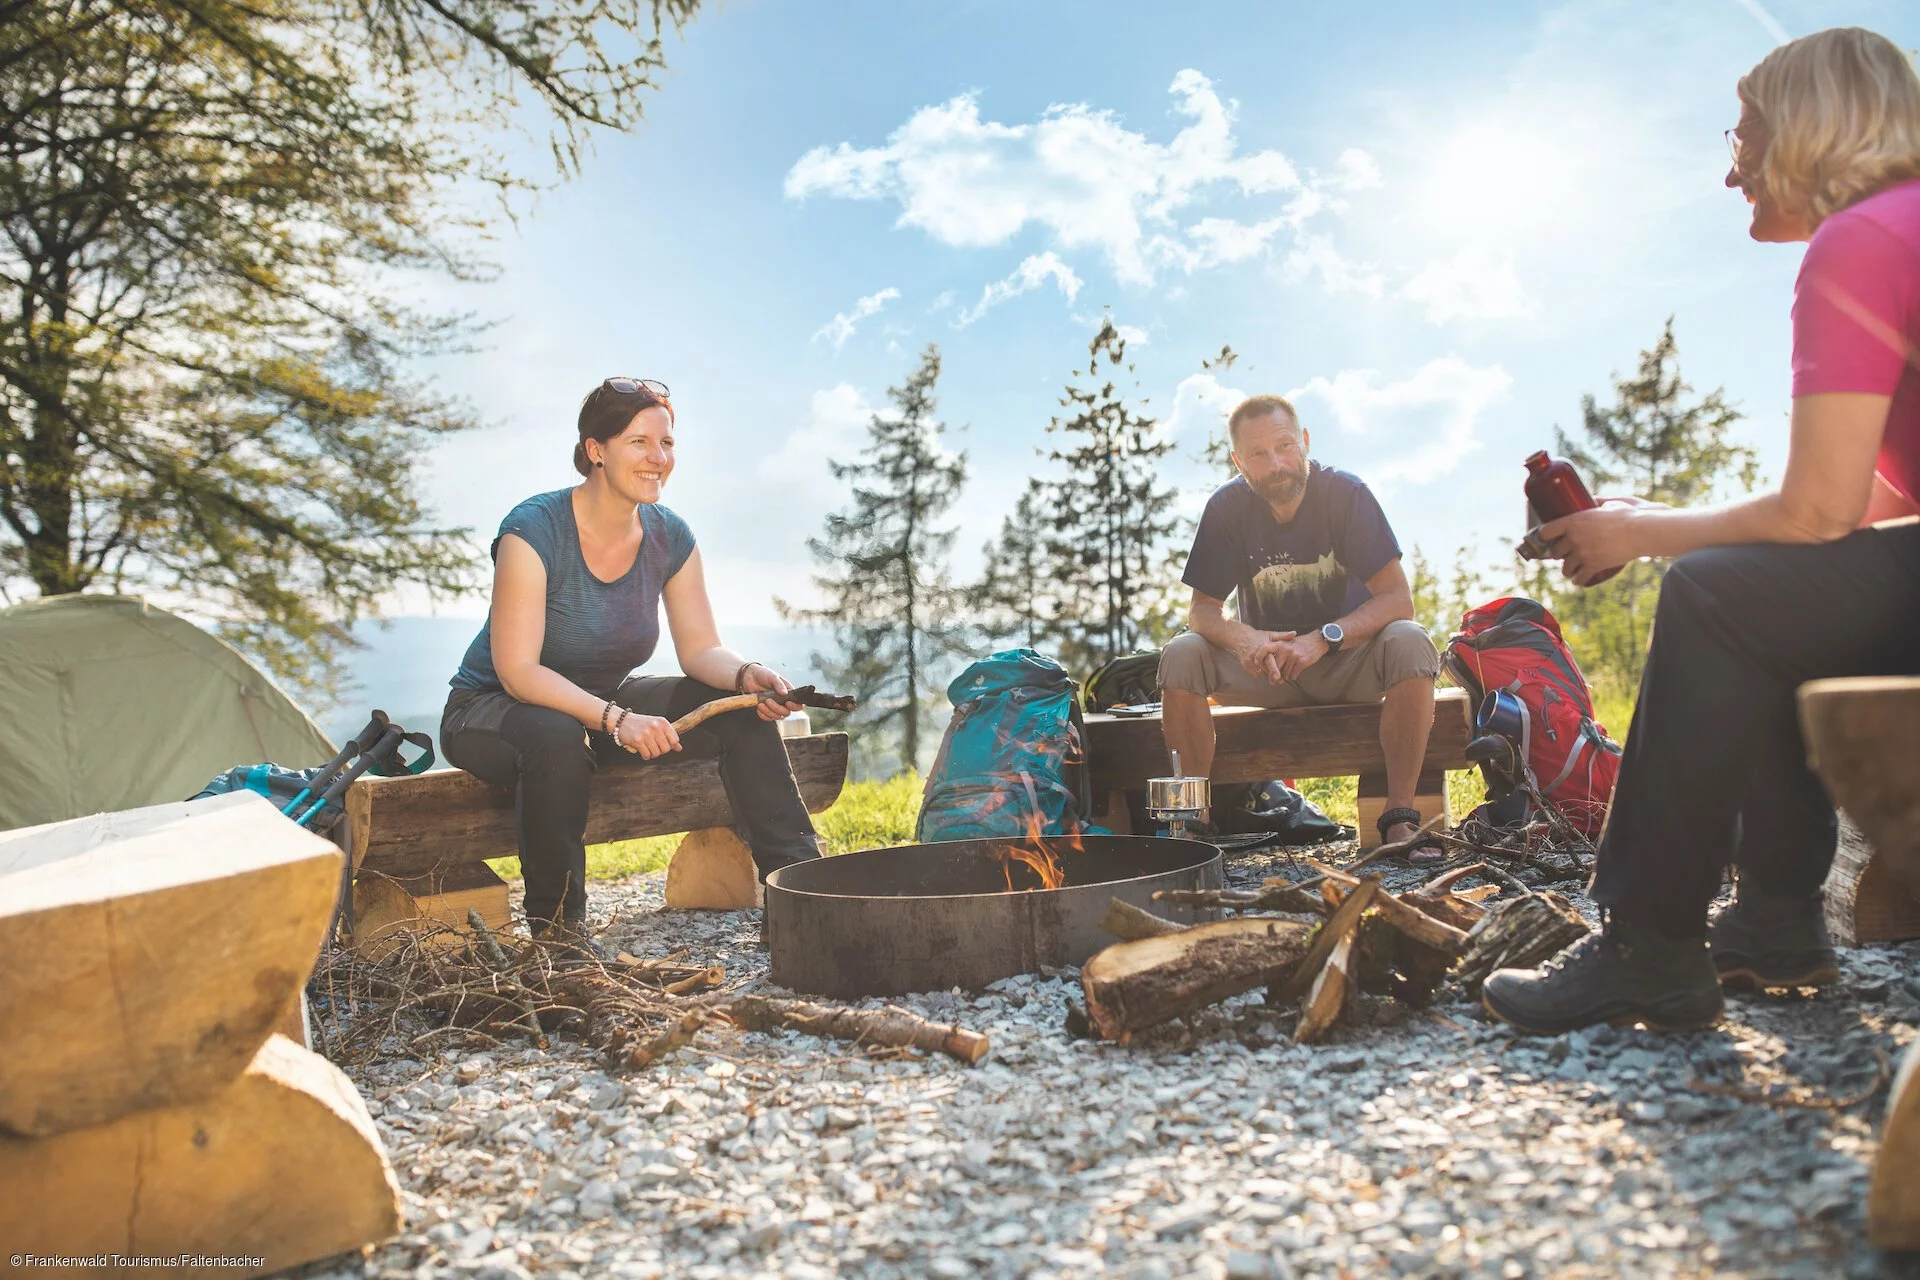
1424, 854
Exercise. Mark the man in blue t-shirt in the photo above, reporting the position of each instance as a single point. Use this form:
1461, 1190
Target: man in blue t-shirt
1325, 612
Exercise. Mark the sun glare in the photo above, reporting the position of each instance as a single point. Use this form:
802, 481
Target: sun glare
1495, 181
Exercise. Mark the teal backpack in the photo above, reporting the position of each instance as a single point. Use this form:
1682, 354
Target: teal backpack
1004, 765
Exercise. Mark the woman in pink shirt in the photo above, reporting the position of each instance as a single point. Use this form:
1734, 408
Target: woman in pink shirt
1821, 578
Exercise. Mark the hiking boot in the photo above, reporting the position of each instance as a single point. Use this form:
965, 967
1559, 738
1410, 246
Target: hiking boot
1623, 974
1762, 940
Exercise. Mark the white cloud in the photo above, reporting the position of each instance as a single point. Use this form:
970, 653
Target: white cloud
1315, 255
1028, 276
835, 420
1415, 429
1078, 172
1201, 404
1471, 285
841, 327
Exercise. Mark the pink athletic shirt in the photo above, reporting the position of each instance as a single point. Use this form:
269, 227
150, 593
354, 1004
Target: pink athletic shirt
1856, 319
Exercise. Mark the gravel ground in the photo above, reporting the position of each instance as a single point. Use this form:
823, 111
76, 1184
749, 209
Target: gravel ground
1429, 1143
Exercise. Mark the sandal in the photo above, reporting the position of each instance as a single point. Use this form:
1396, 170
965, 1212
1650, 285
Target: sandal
1425, 854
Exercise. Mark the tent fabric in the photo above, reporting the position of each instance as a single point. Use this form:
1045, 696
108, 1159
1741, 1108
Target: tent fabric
108, 702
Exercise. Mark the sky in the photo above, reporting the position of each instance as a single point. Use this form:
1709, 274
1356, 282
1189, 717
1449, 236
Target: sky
1435, 227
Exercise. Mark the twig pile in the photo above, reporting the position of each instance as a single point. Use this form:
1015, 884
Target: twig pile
633, 1012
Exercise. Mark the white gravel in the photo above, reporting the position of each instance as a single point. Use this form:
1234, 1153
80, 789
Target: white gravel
1425, 1144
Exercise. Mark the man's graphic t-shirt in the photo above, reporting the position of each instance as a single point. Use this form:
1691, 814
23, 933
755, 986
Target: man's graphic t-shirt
1299, 575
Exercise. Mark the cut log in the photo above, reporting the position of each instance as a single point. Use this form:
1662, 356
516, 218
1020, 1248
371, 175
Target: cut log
1519, 935
1343, 922
1893, 1194
431, 907
1863, 739
282, 1164
1135, 985
1328, 999
1865, 900
1404, 915
1130, 923
150, 953
1458, 910
891, 1027
712, 870
403, 826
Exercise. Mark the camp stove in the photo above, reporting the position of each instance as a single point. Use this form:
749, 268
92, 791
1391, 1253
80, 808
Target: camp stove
1178, 800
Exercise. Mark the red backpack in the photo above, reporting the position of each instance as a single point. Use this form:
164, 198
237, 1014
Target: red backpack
1514, 645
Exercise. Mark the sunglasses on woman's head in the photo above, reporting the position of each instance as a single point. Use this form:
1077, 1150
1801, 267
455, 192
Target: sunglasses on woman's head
635, 386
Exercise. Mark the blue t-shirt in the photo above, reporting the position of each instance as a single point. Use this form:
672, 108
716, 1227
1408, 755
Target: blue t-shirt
597, 632
1299, 575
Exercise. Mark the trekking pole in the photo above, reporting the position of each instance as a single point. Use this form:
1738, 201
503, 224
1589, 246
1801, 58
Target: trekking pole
360, 742
389, 742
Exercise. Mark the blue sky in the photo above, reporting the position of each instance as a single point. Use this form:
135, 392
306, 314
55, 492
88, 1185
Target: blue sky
1437, 225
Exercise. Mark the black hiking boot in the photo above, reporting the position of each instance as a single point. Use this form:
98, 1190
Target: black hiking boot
1762, 940
1623, 974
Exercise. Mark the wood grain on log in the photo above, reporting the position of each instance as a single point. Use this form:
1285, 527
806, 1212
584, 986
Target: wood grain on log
282, 1163
403, 826
432, 908
1402, 913
1130, 923
150, 953
1328, 997
1863, 739
891, 1027
713, 870
1135, 985
1893, 1194
1519, 935
1343, 922
1254, 744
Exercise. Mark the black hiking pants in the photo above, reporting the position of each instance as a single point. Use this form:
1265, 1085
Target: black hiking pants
548, 761
1715, 769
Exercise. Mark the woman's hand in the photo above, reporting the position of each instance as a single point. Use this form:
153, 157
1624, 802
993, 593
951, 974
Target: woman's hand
648, 737
1589, 543
759, 679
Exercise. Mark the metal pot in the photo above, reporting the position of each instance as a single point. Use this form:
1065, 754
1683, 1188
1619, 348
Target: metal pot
1168, 796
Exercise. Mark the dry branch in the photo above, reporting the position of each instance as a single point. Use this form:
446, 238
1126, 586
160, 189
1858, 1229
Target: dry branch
891, 1027
805, 696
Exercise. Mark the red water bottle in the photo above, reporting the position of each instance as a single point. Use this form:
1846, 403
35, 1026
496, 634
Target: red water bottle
1554, 489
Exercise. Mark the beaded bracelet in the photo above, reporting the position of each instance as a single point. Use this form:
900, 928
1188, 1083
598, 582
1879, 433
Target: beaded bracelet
740, 675
618, 721
604, 713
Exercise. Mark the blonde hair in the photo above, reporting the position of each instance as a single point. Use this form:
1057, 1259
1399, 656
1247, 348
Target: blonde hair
1843, 110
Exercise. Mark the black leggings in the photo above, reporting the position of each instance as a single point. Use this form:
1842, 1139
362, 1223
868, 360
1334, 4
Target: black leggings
549, 760
1715, 769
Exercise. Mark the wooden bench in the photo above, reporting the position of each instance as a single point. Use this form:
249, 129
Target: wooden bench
1253, 744
418, 844
1863, 739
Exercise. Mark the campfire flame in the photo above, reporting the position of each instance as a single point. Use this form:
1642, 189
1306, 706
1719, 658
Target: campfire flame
1037, 858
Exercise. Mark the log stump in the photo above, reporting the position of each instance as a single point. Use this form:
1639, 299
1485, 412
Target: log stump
1863, 739
713, 870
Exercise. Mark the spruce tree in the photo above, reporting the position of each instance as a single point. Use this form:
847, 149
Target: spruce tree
891, 605
1010, 601
1654, 442
1108, 554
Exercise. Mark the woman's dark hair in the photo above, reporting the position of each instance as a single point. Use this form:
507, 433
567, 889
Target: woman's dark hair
605, 413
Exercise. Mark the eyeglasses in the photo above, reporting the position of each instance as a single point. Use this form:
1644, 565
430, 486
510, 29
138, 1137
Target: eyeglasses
638, 386
1733, 145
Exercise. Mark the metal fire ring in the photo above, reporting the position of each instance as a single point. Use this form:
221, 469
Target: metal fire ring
934, 916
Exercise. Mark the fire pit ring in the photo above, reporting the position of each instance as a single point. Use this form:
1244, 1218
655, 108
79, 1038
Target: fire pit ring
929, 917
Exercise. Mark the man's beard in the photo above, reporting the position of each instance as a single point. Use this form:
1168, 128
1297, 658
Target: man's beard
1280, 488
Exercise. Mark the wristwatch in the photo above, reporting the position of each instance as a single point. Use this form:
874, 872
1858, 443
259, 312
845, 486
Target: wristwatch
1333, 635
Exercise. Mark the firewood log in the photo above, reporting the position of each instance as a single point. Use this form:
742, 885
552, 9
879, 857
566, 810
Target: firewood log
1135, 985
1893, 1194
1328, 999
1343, 922
1130, 923
891, 1027
1520, 934
283, 1164
1409, 919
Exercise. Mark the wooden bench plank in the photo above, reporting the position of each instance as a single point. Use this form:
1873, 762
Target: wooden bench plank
406, 826
1255, 744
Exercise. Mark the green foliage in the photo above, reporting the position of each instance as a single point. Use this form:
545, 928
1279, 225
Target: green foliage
1219, 450
868, 815
1439, 605
1010, 600
890, 602
208, 208
1108, 520
1655, 443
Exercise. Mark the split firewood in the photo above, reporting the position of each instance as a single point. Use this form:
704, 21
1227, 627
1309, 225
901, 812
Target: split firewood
1344, 921
1519, 935
1404, 915
1130, 923
1278, 895
1458, 910
805, 695
890, 1027
1332, 987
1135, 985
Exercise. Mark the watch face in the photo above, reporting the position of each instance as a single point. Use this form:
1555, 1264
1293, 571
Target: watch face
1332, 633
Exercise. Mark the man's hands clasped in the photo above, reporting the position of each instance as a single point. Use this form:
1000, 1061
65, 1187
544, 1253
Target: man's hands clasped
1281, 655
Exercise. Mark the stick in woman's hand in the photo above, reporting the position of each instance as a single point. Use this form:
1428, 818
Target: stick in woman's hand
806, 695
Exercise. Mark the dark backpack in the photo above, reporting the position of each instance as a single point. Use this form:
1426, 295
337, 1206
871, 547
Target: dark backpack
1513, 645
1013, 759
1124, 681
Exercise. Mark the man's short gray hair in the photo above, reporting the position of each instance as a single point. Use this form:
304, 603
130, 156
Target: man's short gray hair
1259, 407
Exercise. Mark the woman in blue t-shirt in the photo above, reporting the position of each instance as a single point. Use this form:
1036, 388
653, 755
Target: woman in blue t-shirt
544, 691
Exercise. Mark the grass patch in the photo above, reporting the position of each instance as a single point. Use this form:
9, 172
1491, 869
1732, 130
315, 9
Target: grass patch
867, 815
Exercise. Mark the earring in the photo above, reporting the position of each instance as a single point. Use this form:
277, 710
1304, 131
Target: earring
598, 463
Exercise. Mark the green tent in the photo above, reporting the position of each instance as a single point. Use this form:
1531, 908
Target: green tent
108, 702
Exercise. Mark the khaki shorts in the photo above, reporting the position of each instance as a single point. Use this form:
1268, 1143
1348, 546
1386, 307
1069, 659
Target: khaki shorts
1357, 673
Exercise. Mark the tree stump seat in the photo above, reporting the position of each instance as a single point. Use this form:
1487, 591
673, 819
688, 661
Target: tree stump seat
1254, 744
428, 836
